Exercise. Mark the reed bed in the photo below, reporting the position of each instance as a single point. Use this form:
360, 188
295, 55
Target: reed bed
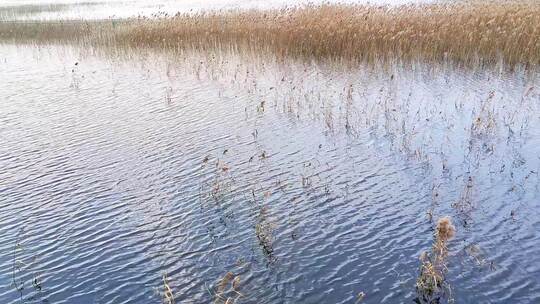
469, 32
68, 32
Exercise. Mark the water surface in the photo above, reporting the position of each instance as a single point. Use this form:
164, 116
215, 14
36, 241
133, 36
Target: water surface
312, 182
50, 10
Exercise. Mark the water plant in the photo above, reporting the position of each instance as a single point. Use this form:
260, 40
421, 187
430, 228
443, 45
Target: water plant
168, 295
264, 231
431, 286
227, 289
24, 271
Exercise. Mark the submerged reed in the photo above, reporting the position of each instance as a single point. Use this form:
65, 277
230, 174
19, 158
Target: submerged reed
431, 285
469, 32
227, 289
168, 295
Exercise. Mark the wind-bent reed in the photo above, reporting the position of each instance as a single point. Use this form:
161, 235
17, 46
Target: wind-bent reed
468, 32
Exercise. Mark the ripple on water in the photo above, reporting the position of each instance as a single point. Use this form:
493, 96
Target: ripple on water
110, 180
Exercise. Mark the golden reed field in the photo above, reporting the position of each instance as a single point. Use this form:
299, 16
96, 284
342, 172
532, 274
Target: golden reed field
468, 32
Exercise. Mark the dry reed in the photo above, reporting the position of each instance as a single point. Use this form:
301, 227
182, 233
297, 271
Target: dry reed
168, 295
470, 32
431, 285
74, 32
224, 293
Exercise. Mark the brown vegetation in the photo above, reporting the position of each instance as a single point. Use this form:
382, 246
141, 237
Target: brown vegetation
431, 285
470, 32
224, 293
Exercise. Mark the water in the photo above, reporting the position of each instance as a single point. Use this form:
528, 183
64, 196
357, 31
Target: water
312, 182
32, 10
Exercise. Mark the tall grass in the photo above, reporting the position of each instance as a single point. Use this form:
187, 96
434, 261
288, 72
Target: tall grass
469, 32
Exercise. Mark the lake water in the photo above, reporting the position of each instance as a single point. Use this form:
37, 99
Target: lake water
311, 182
35, 10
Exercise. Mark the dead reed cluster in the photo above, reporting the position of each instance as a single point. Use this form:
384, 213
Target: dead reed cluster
227, 289
473, 31
431, 285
